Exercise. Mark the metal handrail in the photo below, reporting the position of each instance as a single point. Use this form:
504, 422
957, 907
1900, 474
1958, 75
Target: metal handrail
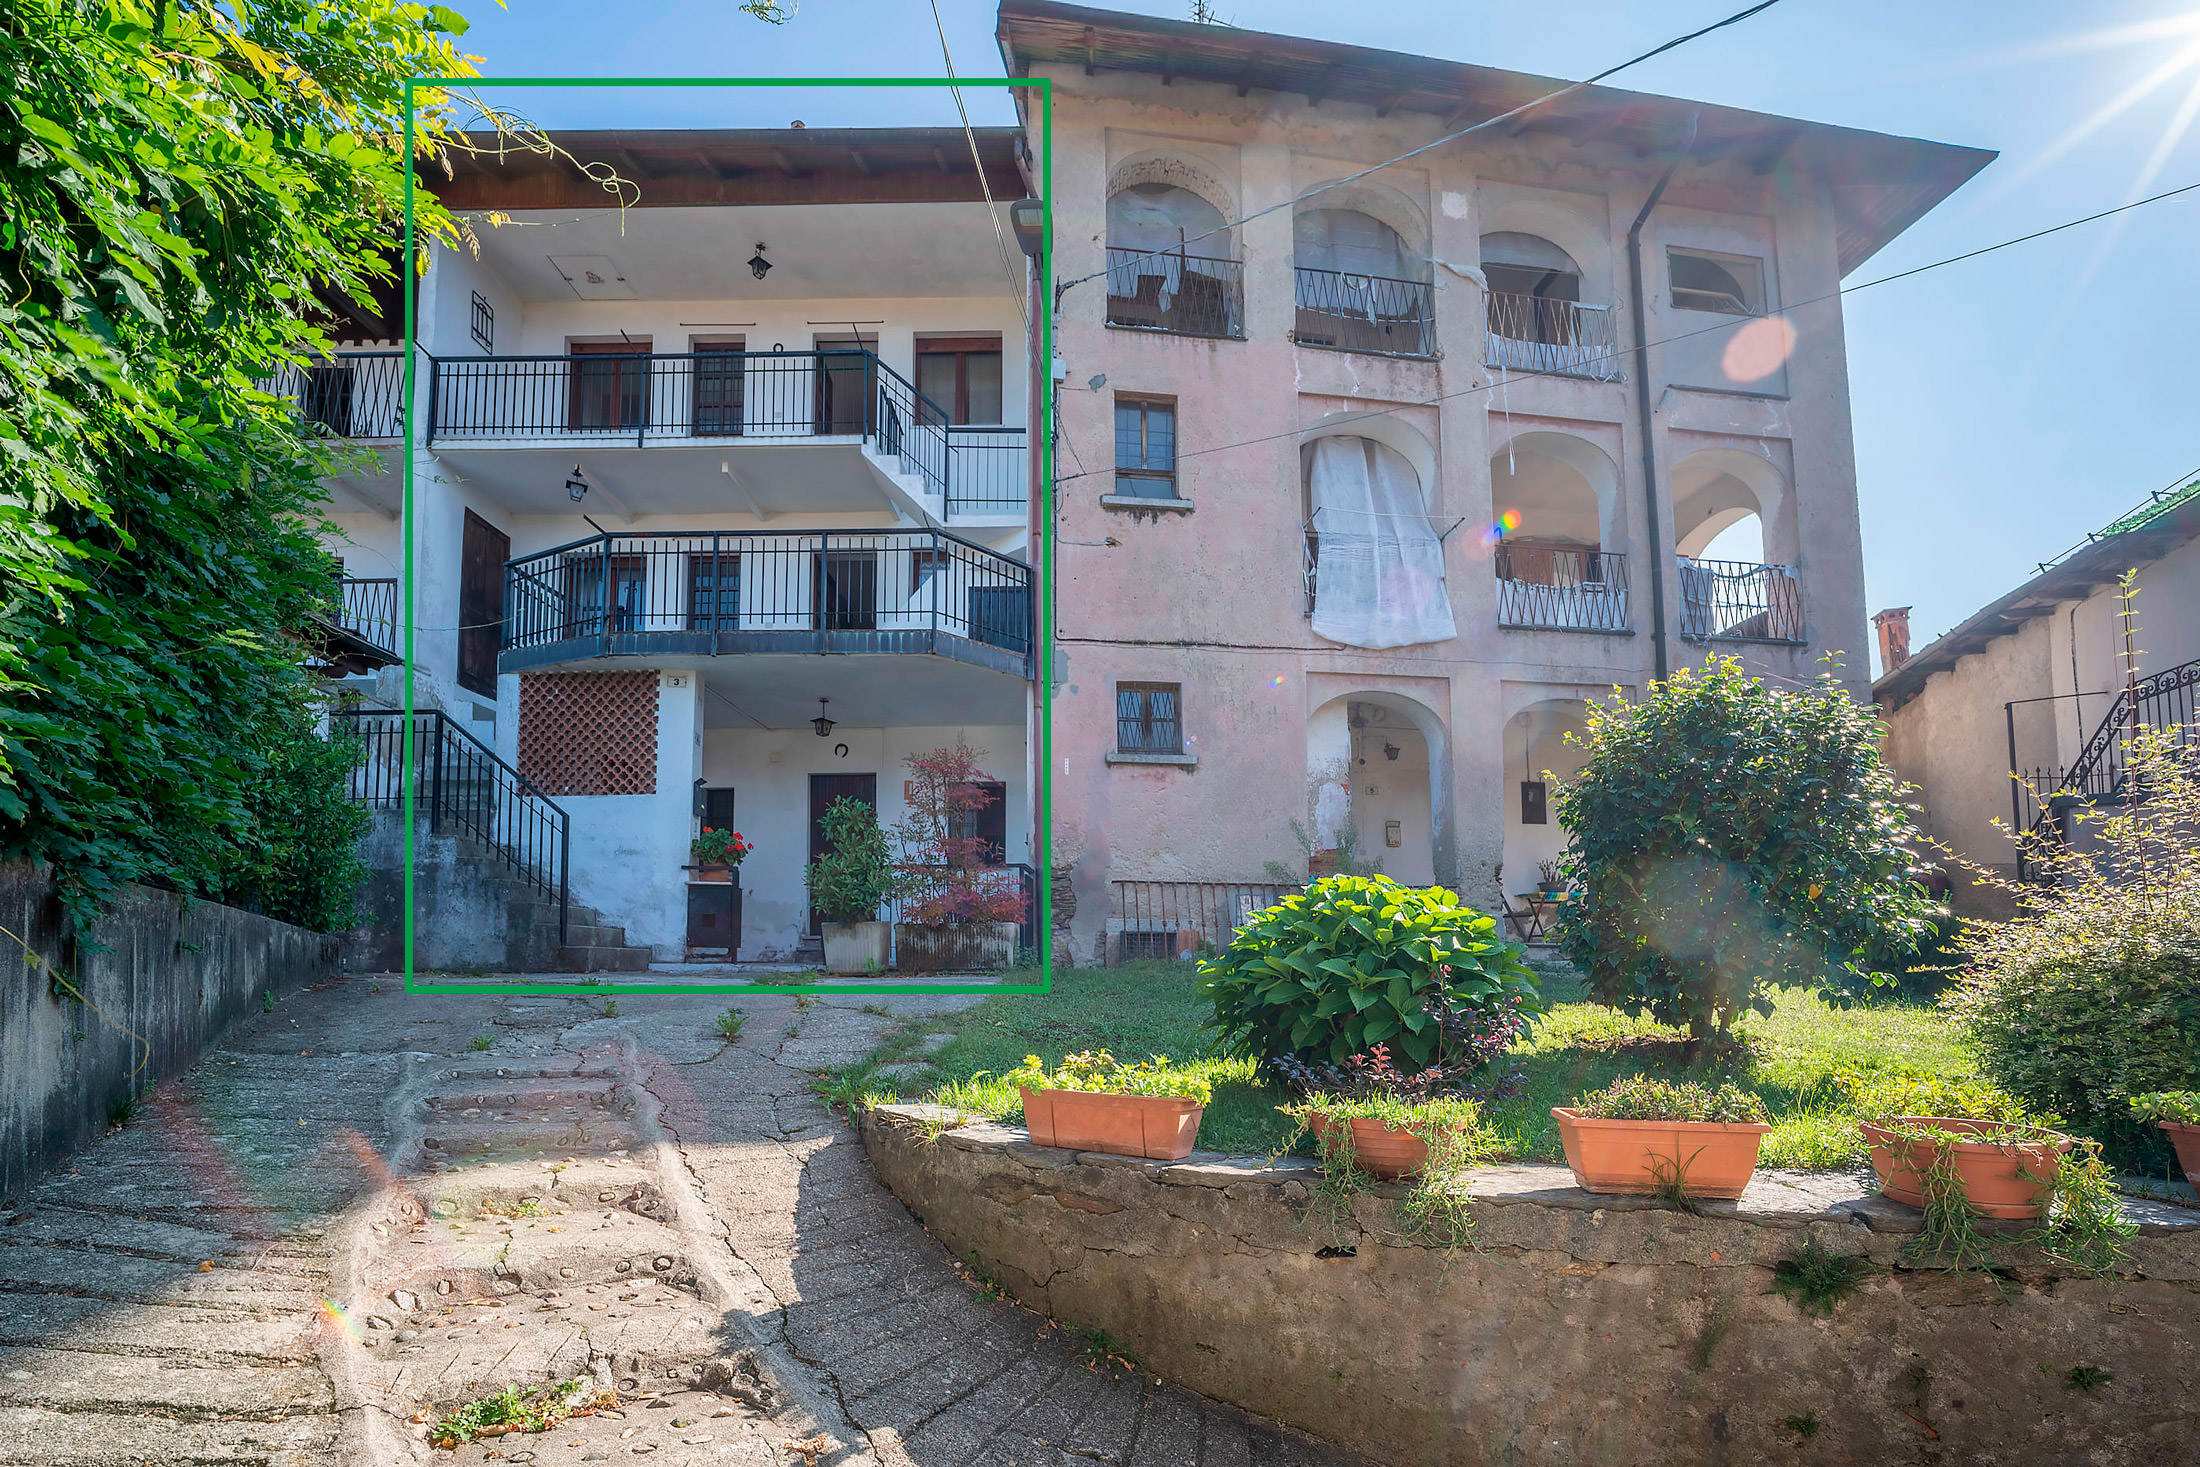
458, 780
1534, 333
1735, 601
1365, 313
1188, 295
353, 394
1560, 587
2166, 699
367, 608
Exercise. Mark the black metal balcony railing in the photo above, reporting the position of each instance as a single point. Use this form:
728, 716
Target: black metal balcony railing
736, 591
1365, 313
1733, 601
459, 783
987, 471
367, 609
1560, 587
353, 394
1190, 295
1533, 333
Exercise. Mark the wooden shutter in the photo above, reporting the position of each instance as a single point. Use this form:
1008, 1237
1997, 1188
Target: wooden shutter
483, 549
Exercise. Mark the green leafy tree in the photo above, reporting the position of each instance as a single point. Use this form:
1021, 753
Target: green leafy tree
1356, 961
1725, 836
855, 876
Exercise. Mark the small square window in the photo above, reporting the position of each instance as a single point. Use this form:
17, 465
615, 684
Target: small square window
1147, 720
1145, 447
485, 323
1731, 285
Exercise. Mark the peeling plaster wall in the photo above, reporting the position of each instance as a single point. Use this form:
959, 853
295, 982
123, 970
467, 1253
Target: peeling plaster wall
1584, 1331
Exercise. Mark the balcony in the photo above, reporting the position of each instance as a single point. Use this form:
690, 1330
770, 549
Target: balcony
360, 633
353, 394
1732, 601
727, 593
1534, 333
723, 404
1342, 311
1560, 588
1184, 295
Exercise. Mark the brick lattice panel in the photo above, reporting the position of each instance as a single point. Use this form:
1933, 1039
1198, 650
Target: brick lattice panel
589, 733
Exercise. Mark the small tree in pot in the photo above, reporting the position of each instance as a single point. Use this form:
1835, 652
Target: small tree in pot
959, 906
848, 884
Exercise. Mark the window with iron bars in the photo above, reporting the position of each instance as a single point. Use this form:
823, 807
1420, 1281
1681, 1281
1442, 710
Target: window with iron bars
1147, 720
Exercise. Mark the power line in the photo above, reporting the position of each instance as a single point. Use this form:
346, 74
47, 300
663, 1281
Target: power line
985, 185
1848, 290
1487, 122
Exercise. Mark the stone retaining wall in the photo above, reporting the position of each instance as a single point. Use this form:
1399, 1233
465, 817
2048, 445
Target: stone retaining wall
1586, 1329
174, 976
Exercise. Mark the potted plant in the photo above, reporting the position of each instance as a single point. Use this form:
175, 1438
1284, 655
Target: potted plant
2177, 1112
718, 854
1553, 876
848, 884
960, 908
1371, 1116
1972, 1148
1640, 1135
1095, 1102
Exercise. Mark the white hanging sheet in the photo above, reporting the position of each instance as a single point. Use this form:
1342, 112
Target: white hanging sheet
1379, 569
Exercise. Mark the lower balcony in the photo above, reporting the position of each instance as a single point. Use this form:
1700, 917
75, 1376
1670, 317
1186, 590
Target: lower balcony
1560, 587
730, 593
359, 633
1733, 601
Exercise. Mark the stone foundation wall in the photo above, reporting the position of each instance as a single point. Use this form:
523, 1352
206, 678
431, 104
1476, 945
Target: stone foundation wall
1586, 1329
166, 977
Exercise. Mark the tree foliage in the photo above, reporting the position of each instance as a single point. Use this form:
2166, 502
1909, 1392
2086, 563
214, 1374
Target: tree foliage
1724, 836
176, 182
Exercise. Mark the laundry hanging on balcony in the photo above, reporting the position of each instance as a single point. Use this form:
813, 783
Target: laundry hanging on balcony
1378, 566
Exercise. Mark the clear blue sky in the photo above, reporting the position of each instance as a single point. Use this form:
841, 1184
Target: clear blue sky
2003, 407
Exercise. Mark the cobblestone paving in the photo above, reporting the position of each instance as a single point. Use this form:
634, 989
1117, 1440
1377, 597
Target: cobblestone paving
367, 1208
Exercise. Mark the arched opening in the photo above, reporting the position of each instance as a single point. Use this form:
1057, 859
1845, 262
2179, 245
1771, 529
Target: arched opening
1360, 286
1374, 564
1557, 498
1535, 753
1170, 263
1730, 509
1536, 319
1377, 788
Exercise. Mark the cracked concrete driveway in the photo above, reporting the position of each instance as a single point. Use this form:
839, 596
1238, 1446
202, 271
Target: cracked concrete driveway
367, 1208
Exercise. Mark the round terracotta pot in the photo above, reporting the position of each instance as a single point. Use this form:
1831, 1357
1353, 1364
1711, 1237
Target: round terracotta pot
1714, 1158
2185, 1136
1161, 1127
1380, 1149
1992, 1167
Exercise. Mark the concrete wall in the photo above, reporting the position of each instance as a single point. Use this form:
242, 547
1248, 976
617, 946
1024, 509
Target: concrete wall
167, 981
1581, 1331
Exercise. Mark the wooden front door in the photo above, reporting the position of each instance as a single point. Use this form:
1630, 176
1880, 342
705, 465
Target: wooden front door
482, 552
824, 789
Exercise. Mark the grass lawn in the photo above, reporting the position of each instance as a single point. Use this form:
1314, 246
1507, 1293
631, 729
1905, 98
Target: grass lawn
1151, 1008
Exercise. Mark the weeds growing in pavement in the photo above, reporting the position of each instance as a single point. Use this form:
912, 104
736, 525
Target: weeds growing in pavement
730, 1024
1818, 1279
510, 1411
2086, 1378
481, 1042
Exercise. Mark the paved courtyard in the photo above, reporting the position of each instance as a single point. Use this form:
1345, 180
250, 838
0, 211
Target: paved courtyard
369, 1207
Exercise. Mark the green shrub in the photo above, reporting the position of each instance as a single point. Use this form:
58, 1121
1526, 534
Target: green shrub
2182, 1106
1356, 961
1640, 1098
1725, 836
1884, 1097
853, 879
1099, 1072
296, 857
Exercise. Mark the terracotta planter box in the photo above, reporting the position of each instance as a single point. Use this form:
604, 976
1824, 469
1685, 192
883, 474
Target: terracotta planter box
854, 949
2185, 1136
1380, 1149
1715, 1158
1992, 1169
964, 947
1157, 1126
719, 874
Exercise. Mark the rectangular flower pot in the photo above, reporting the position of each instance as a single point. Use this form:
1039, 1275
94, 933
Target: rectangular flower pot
855, 948
1714, 1159
2006, 1170
2186, 1138
1161, 1127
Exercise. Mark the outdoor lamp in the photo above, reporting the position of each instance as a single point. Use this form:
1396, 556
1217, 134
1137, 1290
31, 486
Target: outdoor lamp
821, 723
576, 484
758, 265
1028, 218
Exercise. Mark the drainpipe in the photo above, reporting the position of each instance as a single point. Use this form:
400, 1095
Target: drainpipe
1639, 313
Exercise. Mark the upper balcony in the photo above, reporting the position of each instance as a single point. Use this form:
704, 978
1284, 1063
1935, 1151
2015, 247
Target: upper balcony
1735, 601
1551, 337
1184, 295
353, 393
359, 633
724, 593
1343, 311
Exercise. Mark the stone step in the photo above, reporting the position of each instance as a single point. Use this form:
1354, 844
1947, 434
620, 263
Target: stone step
577, 935
603, 959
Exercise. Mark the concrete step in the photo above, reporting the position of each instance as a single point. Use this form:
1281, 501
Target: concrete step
603, 959
594, 935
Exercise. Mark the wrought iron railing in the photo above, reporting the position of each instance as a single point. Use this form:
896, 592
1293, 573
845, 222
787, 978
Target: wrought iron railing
987, 471
459, 784
353, 394
1533, 333
1733, 601
1164, 919
755, 590
1191, 295
990, 878
647, 397
367, 608
1560, 587
2163, 700
1365, 313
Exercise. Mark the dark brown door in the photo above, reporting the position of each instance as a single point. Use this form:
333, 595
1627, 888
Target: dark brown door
482, 553
609, 382
826, 788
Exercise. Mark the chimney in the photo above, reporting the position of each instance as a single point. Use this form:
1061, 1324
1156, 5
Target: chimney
1893, 626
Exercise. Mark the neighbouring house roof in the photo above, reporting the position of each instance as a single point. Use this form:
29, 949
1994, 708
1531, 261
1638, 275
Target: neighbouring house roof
2146, 534
684, 166
1879, 184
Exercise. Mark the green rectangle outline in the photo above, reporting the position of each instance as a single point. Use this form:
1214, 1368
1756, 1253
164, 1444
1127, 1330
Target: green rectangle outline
1043, 865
